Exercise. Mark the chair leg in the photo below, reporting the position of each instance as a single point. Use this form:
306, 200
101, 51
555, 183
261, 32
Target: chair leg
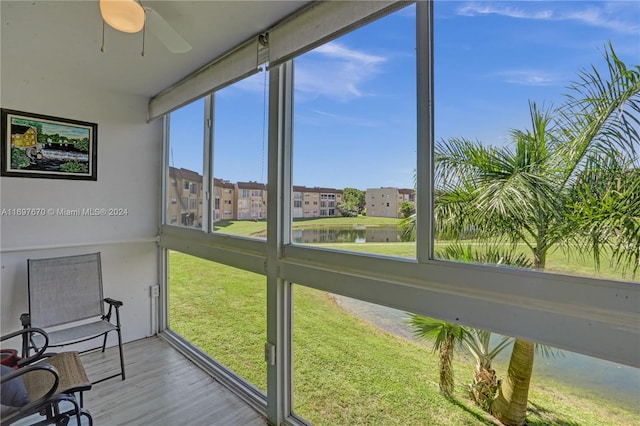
104, 342
87, 415
121, 354
78, 412
63, 418
52, 411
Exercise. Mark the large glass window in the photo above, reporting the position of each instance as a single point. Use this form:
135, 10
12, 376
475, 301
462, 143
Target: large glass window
358, 363
356, 177
355, 139
521, 169
186, 161
240, 157
221, 310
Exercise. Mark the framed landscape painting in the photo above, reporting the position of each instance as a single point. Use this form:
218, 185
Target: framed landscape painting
40, 146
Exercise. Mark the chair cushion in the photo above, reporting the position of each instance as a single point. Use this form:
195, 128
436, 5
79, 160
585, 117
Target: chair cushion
13, 392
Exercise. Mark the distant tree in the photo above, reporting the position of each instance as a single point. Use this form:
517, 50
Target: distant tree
354, 197
407, 208
347, 209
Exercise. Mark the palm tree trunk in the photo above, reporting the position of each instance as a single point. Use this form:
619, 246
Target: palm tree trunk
446, 366
483, 388
510, 406
539, 259
540, 251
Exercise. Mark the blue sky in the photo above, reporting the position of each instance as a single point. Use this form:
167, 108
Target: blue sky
355, 106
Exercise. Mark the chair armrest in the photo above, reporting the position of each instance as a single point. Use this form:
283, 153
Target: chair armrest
113, 302
26, 334
25, 319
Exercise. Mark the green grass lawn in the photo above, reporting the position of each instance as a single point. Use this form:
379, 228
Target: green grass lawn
346, 371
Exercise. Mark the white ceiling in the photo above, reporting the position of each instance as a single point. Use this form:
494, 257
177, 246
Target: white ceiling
63, 39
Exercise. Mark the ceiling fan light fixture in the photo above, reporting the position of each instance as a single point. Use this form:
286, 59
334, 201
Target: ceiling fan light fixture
123, 15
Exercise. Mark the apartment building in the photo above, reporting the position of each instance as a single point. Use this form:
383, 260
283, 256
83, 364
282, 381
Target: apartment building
185, 197
406, 194
241, 200
385, 201
224, 207
315, 202
250, 200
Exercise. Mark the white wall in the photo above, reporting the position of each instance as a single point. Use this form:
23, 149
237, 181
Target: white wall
129, 159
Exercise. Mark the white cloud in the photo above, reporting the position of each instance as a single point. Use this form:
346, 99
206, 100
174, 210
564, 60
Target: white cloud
335, 50
473, 9
528, 77
336, 72
604, 17
598, 18
342, 119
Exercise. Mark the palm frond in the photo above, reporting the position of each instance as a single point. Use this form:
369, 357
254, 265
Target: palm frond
490, 254
504, 343
495, 191
605, 208
437, 331
548, 351
601, 113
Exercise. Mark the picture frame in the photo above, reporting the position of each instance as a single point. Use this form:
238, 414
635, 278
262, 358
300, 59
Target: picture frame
42, 146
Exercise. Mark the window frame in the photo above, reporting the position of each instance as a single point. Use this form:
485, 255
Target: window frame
554, 309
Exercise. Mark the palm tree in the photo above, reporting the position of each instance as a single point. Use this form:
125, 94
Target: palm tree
449, 336
445, 336
555, 187
476, 342
485, 381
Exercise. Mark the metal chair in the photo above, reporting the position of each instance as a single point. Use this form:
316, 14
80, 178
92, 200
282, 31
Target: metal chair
39, 386
66, 300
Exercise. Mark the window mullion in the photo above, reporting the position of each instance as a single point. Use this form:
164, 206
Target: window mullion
424, 171
207, 167
278, 234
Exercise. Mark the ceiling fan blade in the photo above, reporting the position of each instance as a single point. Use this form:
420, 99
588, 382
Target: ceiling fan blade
165, 32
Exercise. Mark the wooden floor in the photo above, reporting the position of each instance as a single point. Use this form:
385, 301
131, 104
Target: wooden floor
162, 388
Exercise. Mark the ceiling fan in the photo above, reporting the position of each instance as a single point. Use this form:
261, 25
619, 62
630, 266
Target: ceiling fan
130, 16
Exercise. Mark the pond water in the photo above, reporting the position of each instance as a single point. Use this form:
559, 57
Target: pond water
615, 382
346, 234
